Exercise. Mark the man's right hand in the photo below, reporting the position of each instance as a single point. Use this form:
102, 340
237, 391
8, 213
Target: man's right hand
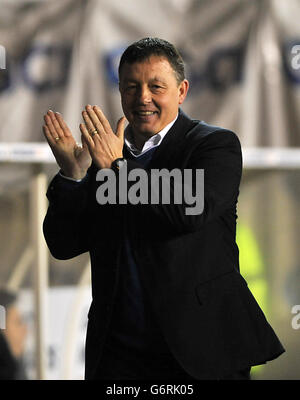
73, 159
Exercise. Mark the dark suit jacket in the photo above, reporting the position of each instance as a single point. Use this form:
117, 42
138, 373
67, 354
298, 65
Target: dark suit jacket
189, 264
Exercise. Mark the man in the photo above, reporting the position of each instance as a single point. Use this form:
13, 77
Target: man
168, 298
12, 338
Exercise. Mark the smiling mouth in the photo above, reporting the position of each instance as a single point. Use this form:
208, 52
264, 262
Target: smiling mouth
144, 113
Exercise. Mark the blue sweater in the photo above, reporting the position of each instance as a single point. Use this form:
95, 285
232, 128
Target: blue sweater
133, 324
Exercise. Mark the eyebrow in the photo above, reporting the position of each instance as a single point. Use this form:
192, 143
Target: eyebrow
157, 79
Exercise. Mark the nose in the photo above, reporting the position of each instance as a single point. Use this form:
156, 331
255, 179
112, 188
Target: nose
145, 96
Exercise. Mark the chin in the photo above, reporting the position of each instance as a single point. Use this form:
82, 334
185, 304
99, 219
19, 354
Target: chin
146, 130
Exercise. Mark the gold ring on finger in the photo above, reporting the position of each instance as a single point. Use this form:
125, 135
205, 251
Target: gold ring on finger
94, 132
57, 138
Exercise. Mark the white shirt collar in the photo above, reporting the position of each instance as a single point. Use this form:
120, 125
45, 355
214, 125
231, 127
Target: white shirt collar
154, 141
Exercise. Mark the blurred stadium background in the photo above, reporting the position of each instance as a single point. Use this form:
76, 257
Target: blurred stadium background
243, 62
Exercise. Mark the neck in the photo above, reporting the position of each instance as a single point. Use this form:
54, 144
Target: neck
139, 140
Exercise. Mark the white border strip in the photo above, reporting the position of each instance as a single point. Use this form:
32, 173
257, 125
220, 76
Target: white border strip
275, 157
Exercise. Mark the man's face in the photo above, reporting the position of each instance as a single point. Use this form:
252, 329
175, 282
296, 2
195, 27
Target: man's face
150, 95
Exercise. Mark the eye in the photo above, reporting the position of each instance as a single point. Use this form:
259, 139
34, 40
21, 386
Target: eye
130, 87
156, 88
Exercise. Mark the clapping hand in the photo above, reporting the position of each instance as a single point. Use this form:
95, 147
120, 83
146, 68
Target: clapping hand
104, 145
73, 159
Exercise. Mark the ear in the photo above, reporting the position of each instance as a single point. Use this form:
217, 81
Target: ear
183, 89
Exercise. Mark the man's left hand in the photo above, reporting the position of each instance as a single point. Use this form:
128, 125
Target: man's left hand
104, 145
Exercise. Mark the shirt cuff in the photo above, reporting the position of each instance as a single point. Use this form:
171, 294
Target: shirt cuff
71, 179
